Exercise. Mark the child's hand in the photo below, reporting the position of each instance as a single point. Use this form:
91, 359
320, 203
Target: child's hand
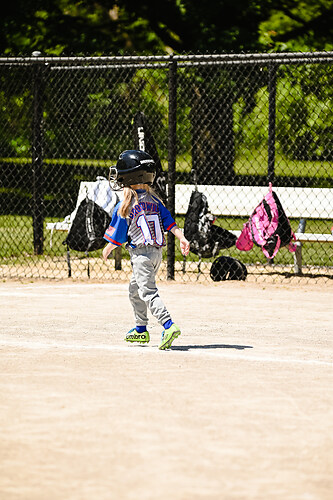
184, 246
107, 250
105, 253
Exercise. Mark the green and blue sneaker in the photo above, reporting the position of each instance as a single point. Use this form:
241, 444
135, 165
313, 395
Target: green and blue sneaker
134, 336
168, 336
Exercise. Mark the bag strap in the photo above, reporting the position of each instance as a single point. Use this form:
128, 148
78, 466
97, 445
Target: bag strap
276, 249
292, 246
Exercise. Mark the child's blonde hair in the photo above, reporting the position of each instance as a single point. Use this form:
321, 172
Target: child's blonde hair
129, 195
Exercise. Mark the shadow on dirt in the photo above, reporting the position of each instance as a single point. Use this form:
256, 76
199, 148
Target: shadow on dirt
210, 346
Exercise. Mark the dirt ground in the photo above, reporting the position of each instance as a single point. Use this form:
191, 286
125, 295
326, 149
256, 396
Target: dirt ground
241, 406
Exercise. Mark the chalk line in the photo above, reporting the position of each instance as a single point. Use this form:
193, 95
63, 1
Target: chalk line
147, 350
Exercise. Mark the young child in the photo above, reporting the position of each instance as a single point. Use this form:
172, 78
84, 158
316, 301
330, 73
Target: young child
140, 221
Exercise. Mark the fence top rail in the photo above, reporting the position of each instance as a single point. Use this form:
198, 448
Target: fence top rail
276, 57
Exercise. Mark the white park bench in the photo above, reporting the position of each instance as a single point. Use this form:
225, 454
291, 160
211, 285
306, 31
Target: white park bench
101, 193
240, 201
237, 201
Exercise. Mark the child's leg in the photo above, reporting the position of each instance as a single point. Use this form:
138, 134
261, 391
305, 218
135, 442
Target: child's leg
139, 305
145, 264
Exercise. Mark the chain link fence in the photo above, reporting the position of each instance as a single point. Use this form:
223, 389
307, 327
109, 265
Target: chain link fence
227, 125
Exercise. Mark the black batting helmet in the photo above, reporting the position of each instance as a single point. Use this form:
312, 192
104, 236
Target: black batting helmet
133, 167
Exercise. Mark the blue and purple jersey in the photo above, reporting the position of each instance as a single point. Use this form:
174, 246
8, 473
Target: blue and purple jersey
145, 225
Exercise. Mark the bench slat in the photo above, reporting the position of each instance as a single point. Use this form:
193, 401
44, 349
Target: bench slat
304, 237
239, 201
314, 237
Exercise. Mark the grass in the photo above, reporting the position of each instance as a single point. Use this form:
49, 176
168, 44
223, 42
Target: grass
255, 163
247, 162
16, 241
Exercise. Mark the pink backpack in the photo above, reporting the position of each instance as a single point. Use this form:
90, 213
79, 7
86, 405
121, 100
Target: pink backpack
268, 227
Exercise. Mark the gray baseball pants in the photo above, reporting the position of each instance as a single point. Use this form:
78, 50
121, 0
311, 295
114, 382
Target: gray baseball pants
143, 292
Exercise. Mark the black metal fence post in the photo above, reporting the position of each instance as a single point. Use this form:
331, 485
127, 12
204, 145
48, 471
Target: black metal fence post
172, 150
272, 73
37, 157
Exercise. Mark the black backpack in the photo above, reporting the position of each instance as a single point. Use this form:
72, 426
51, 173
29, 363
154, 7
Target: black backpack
88, 227
206, 239
227, 268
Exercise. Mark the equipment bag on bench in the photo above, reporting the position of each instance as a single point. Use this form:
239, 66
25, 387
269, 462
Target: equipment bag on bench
88, 227
206, 239
268, 227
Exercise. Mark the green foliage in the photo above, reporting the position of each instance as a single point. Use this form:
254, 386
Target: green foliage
67, 27
16, 141
298, 25
304, 117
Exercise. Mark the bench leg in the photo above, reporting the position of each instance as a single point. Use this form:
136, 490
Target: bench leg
117, 259
298, 253
184, 264
69, 263
298, 258
199, 267
88, 265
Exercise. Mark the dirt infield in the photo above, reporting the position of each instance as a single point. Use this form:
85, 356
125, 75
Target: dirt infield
241, 407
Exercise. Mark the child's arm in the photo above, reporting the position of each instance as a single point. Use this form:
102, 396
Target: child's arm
107, 250
184, 244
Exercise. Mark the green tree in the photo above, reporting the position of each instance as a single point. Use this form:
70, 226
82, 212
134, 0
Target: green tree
298, 25
124, 26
